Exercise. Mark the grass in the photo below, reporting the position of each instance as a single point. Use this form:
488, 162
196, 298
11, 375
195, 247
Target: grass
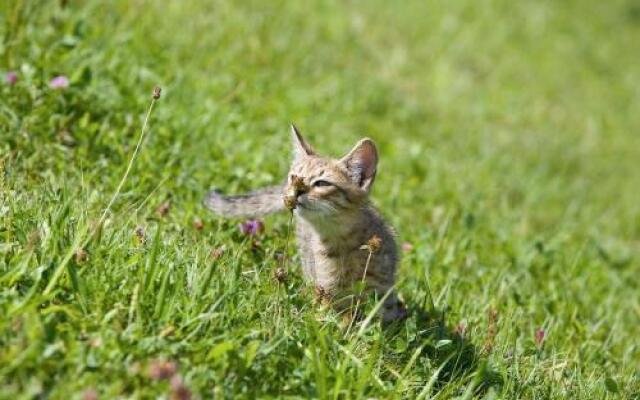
509, 160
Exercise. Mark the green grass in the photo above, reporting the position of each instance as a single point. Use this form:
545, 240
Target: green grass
508, 135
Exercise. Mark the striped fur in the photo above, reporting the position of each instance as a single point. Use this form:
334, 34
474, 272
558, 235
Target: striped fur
258, 203
334, 219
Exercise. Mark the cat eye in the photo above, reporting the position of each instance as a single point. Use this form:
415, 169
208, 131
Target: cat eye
320, 183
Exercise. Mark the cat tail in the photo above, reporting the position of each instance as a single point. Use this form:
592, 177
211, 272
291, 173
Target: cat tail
260, 202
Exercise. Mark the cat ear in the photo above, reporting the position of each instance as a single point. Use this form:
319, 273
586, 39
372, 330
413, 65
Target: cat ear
300, 147
362, 163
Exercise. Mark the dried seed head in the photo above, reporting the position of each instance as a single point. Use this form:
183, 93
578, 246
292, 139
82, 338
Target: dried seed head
290, 202
81, 256
293, 191
373, 244
539, 337
492, 330
461, 328
163, 209
493, 315
280, 275
156, 92
198, 224
217, 252
139, 232
297, 182
321, 297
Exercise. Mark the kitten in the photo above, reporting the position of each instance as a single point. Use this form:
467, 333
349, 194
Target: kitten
334, 219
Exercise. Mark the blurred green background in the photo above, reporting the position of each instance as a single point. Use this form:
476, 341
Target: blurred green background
508, 137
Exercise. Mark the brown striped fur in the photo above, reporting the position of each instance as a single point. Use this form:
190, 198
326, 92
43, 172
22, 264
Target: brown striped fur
334, 219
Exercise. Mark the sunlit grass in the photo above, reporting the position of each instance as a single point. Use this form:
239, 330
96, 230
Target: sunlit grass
509, 162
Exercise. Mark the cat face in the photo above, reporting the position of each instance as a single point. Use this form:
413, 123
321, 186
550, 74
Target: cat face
327, 187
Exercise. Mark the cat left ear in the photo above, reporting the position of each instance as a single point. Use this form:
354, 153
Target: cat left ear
300, 147
362, 163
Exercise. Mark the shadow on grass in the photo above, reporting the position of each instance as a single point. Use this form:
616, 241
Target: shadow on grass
447, 349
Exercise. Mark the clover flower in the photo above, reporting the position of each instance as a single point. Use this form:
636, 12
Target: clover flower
11, 78
407, 247
251, 227
59, 82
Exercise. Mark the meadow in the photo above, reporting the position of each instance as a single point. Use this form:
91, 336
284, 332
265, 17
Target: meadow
509, 141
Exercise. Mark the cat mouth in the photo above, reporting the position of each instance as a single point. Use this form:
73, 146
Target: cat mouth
306, 207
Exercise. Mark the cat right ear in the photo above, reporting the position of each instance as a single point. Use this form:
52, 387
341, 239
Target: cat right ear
300, 147
362, 163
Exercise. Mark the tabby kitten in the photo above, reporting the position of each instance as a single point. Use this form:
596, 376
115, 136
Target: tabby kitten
334, 219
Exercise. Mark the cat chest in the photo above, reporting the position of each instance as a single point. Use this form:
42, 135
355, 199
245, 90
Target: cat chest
338, 270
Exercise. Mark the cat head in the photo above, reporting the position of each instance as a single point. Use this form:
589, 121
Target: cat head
328, 187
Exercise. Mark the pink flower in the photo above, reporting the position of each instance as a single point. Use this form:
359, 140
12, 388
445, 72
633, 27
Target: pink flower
179, 391
59, 82
407, 247
251, 227
161, 369
90, 394
11, 78
539, 337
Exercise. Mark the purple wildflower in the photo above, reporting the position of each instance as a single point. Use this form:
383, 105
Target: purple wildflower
252, 227
59, 82
11, 78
